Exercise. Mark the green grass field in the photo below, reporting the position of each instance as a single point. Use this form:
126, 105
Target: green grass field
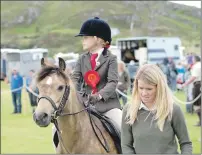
20, 134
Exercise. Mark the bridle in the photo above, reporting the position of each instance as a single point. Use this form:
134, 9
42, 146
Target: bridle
58, 111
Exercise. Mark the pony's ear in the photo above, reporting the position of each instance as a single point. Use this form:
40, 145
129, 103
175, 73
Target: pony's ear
43, 62
62, 64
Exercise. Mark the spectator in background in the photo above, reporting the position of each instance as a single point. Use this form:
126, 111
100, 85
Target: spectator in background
196, 80
190, 59
181, 72
173, 75
170, 60
132, 68
32, 97
166, 70
188, 89
124, 81
16, 89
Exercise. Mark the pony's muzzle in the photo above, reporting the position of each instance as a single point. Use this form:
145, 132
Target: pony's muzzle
42, 119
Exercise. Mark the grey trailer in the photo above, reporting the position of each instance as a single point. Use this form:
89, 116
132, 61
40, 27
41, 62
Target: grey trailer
23, 60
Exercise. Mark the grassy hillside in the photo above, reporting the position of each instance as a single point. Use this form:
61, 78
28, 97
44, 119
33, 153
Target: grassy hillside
53, 24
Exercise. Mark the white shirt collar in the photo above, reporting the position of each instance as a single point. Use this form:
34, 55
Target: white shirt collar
143, 106
98, 51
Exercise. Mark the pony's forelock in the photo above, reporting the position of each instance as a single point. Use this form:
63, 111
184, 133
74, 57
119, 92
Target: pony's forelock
48, 70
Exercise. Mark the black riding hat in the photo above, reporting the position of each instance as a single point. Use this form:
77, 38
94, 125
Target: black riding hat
96, 27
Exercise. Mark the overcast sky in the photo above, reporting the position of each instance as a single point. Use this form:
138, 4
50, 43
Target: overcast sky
190, 3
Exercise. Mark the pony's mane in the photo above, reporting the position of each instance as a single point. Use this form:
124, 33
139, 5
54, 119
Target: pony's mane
48, 70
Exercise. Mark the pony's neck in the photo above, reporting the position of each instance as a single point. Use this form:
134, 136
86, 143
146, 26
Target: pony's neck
73, 126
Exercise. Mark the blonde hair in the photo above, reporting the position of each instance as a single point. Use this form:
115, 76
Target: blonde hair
153, 75
102, 42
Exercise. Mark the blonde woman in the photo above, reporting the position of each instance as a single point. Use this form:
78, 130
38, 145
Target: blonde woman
151, 120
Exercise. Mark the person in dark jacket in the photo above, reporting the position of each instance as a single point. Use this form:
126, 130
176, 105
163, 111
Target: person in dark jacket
165, 68
98, 60
95, 74
173, 75
16, 89
124, 81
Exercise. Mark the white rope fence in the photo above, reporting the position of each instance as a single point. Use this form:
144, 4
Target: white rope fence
191, 102
121, 93
117, 90
175, 98
31, 91
14, 90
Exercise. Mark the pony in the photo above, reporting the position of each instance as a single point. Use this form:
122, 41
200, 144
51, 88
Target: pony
59, 103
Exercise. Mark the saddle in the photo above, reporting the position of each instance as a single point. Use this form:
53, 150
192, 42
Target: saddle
110, 127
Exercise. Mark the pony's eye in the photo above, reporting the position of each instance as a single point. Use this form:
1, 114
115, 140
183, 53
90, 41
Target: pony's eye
60, 88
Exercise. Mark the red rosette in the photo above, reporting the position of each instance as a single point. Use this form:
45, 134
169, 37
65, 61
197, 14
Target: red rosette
92, 78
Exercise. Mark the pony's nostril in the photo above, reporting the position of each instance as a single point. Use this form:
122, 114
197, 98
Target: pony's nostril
44, 116
42, 119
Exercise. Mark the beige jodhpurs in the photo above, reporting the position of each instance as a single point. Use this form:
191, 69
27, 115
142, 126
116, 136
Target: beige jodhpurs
115, 115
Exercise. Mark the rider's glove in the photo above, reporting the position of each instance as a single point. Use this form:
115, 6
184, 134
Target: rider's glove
94, 98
